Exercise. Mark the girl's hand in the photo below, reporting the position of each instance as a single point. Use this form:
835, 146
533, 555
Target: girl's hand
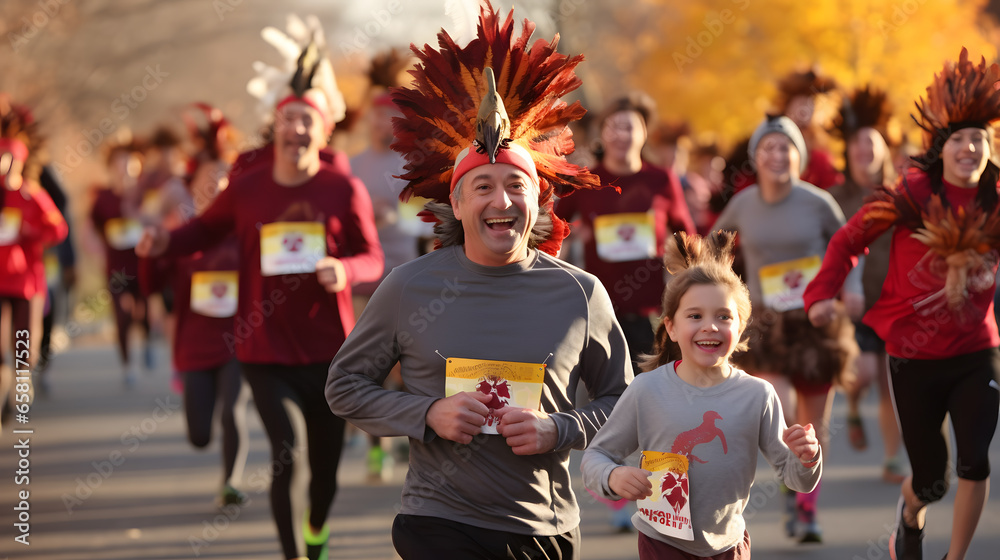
631, 483
803, 443
822, 312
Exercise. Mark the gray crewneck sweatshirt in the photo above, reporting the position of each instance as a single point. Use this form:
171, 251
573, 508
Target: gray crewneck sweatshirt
443, 305
799, 225
660, 412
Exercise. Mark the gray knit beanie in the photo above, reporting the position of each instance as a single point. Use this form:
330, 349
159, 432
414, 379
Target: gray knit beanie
785, 126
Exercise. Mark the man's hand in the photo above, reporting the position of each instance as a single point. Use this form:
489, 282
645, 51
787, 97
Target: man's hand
631, 483
822, 312
855, 304
153, 243
527, 431
459, 417
803, 443
331, 274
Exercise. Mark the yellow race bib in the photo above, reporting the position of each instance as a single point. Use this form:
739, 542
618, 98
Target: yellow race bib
515, 384
409, 222
291, 247
10, 225
783, 284
668, 509
122, 233
625, 237
214, 293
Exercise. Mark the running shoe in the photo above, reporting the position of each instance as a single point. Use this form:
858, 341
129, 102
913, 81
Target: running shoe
230, 496
317, 544
905, 543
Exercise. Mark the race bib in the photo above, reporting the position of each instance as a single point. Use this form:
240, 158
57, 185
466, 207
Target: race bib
291, 247
214, 293
783, 284
52, 268
122, 233
668, 508
10, 225
409, 222
515, 384
152, 203
625, 237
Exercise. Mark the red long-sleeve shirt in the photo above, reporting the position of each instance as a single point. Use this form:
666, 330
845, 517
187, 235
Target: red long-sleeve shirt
912, 315
204, 337
119, 233
289, 318
635, 285
28, 224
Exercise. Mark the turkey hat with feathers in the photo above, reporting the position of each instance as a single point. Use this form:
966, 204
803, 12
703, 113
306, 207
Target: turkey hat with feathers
496, 99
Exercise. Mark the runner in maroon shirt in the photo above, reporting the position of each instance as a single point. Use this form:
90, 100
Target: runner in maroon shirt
115, 220
624, 232
205, 291
306, 233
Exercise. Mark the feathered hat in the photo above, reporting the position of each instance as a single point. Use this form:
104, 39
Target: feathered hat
962, 95
867, 107
494, 100
305, 67
214, 139
19, 138
804, 83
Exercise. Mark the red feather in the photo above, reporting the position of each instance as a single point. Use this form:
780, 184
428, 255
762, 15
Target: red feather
440, 108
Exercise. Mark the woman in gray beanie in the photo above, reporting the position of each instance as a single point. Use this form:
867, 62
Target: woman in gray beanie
784, 225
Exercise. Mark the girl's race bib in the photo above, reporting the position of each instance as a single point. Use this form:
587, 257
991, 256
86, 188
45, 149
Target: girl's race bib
668, 509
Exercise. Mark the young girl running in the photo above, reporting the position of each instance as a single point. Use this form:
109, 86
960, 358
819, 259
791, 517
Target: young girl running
935, 310
706, 413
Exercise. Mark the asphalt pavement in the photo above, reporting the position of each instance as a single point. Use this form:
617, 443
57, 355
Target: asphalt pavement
109, 474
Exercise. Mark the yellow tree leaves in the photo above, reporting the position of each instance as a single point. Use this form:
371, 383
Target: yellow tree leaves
715, 62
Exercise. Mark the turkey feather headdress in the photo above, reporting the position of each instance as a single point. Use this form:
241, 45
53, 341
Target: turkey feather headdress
963, 95
305, 68
494, 100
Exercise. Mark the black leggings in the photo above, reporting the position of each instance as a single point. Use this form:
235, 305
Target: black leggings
202, 389
20, 319
138, 313
965, 388
417, 537
302, 386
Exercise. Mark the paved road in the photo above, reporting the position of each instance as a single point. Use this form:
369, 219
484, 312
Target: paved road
113, 477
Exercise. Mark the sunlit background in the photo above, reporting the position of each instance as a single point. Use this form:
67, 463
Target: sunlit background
91, 69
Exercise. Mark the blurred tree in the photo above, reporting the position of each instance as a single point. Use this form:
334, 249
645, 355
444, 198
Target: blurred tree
716, 62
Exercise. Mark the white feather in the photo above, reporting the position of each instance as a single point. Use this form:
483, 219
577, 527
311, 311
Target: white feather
271, 83
287, 48
464, 16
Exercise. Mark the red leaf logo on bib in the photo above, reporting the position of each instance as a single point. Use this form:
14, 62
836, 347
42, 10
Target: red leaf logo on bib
674, 490
219, 289
292, 243
499, 388
793, 279
626, 232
